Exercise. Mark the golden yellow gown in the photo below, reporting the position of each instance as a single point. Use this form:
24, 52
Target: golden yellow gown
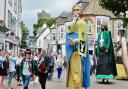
75, 72
122, 68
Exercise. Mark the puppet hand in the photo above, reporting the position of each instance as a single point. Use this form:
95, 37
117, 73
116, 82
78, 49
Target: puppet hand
73, 42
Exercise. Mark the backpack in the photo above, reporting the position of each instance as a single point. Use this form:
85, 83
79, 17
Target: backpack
1, 64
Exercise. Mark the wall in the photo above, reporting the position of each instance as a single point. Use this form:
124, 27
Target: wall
42, 41
2, 4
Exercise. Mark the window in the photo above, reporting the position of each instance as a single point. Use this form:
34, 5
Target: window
39, 43
14, 24
10, 2
62, 29
89, 22
9, 20
54, 37
120, 24
62, 35
98, 25
99, 21
15, 6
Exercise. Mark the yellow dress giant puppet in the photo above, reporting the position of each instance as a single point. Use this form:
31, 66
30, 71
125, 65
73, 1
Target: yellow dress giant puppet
77, 53
121, 56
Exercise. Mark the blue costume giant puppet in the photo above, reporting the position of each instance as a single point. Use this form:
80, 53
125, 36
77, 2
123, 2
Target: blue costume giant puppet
77, 52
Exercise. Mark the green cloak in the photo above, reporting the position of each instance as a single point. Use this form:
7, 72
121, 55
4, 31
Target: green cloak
106, 35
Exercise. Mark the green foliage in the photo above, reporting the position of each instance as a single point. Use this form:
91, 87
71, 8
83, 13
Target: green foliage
117, 7
25, 34
40, 23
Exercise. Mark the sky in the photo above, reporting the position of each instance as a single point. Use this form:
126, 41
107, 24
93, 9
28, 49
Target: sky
30, 8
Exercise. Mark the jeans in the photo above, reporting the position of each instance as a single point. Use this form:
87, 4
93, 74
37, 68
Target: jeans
59, 72
26, 79
42, 80
11, 75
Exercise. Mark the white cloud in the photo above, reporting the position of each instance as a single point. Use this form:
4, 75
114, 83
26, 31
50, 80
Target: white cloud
32, 7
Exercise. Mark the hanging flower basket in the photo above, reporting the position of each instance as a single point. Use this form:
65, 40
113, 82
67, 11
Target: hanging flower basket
17, 37
7, 34
12, 33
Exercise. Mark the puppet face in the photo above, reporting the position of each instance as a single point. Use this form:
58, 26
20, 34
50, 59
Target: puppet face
77, 10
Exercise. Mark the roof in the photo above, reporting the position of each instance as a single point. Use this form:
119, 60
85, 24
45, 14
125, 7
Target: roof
41, 32
94, 8
65, 16
83, 3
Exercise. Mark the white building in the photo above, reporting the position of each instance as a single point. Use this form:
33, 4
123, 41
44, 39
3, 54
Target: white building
41, 40
59, 32
10, 15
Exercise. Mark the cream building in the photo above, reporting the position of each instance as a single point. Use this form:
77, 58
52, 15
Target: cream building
10, 15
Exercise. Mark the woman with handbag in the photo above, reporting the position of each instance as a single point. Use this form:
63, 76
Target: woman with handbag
43, 67
121, 56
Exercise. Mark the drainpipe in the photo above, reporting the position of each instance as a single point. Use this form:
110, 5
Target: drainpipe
5, 11
4, 22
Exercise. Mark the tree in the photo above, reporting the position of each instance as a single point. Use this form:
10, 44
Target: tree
40, 23
25, 33
118, 7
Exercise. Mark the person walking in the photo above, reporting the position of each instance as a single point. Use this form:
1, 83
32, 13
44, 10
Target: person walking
59, 63
27, 68
18, 69
51, 68
91, 62
3, 68
12, 64
44, 64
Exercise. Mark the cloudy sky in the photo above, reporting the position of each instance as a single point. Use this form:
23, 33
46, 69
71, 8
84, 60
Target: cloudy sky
32, 7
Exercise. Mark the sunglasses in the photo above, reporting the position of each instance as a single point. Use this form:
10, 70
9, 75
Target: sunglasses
28, 53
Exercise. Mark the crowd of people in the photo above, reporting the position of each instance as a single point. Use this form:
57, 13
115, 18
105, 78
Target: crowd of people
29, 65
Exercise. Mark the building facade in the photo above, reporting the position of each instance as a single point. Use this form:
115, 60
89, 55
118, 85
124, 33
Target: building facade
59, 32
43, 15
10, 14
94, 16
41, 39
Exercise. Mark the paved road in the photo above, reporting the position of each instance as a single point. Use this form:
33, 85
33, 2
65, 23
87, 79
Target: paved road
95, 84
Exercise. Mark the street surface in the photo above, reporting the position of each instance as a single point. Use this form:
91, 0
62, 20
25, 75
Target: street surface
61, 84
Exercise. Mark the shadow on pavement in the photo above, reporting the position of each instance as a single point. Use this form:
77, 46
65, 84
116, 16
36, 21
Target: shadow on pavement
106, 83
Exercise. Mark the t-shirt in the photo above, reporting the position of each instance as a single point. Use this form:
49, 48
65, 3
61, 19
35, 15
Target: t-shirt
18, 61
12, 63
26, 67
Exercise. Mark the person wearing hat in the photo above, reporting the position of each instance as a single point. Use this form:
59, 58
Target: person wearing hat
106, 65
121, 55
27, 68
